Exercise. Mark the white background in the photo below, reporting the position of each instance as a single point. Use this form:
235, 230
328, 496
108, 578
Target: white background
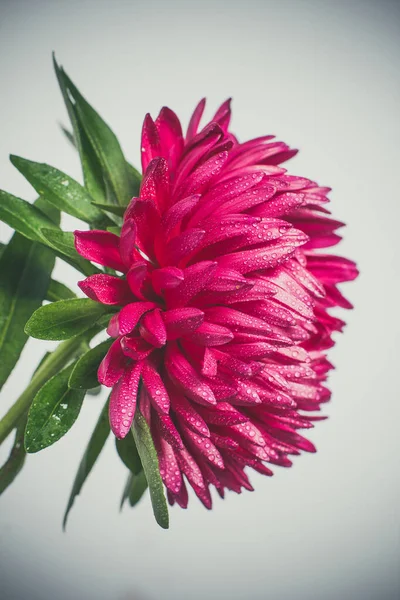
324, 77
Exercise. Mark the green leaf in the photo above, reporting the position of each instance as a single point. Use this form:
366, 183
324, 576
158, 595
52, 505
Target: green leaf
49, 210
58, 291
25, 218
116, 230
135, 180
64, 319
54, 410
91, 167
134, 488
25, 269
69, 135
63, 243
84, 375
148, 456
93, 449
15, 461
112, 208
102, 140
128, 453
138, 487
62, 191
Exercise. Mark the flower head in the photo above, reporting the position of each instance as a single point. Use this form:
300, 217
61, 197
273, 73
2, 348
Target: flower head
224, 301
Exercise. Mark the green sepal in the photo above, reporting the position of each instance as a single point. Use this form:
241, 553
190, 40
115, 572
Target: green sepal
84, 375
53, 411
64, 319
93, 449
148, 456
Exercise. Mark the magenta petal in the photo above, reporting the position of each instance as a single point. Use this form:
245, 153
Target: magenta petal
151, 146
127, 242
186, 378
101, 247
112, 366
195, 119
106, 289
152, 328
182, 321
136, 276
166, 278
209, 334
128, 317
156, 388
123, 401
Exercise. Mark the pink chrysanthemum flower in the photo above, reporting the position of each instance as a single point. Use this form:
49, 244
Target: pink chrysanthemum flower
225, 293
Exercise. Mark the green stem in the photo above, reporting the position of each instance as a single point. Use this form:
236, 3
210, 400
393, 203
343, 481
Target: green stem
50, 366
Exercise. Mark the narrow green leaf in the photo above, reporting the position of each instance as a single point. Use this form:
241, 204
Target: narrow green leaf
138, 486
93, 449
116, 230
91, 167
25, 218
112, 208
134, 489
69, 135
15, 461
103, 141
128, 453
63, 243
84, 375
135, 180
54, 410
62, 191
94, 391
64, 319
58, 291
25, 269
148, 456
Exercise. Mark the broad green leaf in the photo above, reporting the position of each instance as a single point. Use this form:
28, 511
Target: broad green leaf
134, 488
84, 375
53, 411
103, 141
64, 319
49, 210
93, 449
58, 291
25, 218
148, 456
63, 243
25, 269
62, 191
128, 453
91, 167
15, 461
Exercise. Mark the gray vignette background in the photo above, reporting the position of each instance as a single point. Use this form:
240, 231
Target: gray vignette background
323, 76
